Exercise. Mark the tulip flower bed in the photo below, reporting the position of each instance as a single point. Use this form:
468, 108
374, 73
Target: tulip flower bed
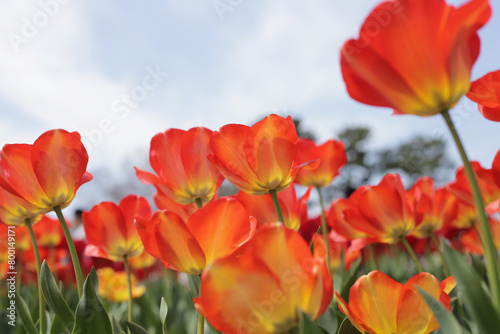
384, 260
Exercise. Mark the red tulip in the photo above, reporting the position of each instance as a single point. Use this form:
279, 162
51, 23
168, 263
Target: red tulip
110, 228
432, 208
265, 285
331, 155
259, 158
383, 211
46, 174
261, 207
485, 91
180, 159
214, 231
414, 56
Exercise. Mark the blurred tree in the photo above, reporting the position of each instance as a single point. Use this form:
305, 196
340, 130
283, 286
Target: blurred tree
418, 156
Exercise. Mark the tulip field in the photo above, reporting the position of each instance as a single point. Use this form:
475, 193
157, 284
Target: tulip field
390, 258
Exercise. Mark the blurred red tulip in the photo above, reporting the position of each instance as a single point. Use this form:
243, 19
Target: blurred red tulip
331, 155
400, 61
265, 285
262, 208
485, 91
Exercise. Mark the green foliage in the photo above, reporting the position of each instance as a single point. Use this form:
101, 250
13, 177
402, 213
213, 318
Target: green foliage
476, 300
448, 323
55, 299
347, 328
25, 316
90, 315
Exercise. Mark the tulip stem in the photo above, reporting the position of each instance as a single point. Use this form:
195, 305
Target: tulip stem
199, 202
411, 253
490, 251
437, 245
129, 283
276, 203
324, 230
41, 299
72, 250
201, 324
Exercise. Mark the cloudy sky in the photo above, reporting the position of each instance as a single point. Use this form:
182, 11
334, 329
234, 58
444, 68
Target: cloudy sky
119, 72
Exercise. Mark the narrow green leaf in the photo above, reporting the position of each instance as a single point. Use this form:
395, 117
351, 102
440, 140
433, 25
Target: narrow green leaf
328, 321
476, 300
25, 315
307, 326
94, 280
135, 328
448, 323
117, 329
347, 328
91, 316
163, 315
54, 298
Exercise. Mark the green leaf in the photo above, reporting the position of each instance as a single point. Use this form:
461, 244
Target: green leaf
94, 280
328, 321
54, 298
25, 315
347, 328
57, 327
135, 328
117, 329
91, 316
163, 315
447, 322
307, 326
476, 300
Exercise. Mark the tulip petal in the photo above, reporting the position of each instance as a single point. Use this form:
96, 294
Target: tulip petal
221, 227
167, 238
374, 300
241, 295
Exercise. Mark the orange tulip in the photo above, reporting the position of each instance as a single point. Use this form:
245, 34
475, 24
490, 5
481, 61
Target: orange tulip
331, 155
336, 249
259, 158
336, 220
212, 232
265, 285
492, 177
383, 211
163, 202
180, 159
486, 93
490, 190
379, 305
113, 285
414, 56
472, 243
110, 228
47, 173
262, 208
48, 232
433, 208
